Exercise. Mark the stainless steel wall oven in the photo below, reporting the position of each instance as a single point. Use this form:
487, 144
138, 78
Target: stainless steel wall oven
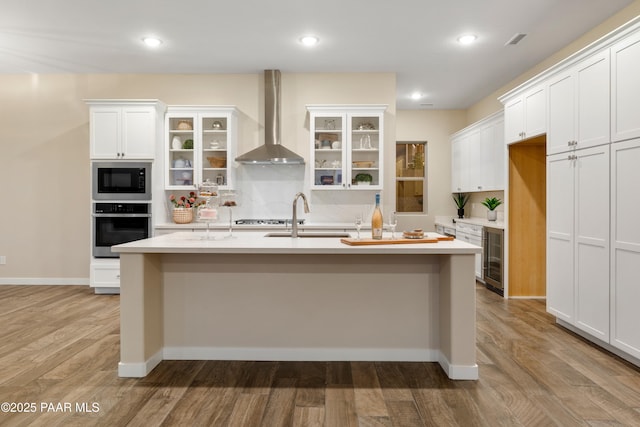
116, 223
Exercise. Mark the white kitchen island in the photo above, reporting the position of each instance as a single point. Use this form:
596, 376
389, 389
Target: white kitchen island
277, 298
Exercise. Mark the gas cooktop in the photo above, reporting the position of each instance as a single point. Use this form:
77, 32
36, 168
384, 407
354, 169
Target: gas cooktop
266, 221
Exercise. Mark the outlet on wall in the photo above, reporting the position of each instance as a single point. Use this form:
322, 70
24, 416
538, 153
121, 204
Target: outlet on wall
3, 260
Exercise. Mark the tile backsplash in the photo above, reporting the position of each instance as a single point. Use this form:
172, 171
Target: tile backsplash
267, 191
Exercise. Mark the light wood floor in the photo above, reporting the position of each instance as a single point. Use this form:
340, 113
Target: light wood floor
60, 344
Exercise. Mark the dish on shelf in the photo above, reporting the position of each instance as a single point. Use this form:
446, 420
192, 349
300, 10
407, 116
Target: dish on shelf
185, 125
362, 164
366, 126
217, 162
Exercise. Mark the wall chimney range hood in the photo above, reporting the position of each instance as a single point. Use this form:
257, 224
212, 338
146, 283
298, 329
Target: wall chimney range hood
271, 152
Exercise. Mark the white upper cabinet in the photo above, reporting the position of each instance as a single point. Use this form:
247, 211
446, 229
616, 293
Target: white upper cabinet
200, 144
347, 146
124, 129
625, 88
525, 115
477, 156
578, 106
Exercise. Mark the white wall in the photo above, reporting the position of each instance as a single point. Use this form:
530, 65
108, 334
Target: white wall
44, 150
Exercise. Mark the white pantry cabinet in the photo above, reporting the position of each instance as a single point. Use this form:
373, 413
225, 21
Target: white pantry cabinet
346, 141
625, 246
578, 106
625, 88
477, 156
200, 144
124, 129
525, 115
578, 239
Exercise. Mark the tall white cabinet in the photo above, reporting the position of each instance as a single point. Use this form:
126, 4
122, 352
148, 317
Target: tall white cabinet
593, 183
625, 246
578, 239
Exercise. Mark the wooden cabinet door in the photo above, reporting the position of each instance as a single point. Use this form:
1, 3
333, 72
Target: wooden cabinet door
625, 246
591, 250
625, 89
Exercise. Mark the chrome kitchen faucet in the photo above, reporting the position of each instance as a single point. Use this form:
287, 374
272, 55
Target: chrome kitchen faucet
294, 220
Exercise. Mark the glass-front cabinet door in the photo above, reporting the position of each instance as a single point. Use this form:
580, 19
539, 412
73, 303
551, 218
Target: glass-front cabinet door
200, 145
347, 147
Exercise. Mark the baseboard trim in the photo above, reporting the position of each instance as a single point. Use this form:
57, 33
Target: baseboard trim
300, 354
139, 370
458, 372
63, 281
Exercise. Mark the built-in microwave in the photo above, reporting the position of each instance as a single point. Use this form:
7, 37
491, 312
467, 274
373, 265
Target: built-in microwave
121, 180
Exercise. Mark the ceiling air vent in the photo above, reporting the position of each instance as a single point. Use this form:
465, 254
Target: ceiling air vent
515, 39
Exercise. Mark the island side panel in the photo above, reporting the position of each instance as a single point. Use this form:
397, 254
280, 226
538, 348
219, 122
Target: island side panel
458, 316
141, 314
301, 307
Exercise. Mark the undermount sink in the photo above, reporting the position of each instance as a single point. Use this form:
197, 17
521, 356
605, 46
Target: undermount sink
302, 234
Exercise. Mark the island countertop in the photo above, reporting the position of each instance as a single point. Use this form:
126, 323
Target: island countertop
253, 297
257, 243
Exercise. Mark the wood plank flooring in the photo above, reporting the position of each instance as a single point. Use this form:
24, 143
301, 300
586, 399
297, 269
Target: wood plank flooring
60, 344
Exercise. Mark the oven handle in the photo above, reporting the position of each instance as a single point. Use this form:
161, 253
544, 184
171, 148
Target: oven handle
125, 215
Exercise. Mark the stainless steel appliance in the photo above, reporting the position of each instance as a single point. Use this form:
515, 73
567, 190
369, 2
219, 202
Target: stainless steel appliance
116, 223
493, 247
121, 180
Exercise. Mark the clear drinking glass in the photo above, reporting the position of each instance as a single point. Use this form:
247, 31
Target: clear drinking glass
393, 222
358, 224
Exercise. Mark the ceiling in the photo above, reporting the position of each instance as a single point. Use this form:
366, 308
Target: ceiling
414, 38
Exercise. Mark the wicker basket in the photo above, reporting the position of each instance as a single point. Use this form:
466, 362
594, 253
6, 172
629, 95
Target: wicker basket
217, 162
182, 215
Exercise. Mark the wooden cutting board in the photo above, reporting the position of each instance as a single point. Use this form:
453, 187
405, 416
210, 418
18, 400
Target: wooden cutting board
386, 241
428, 238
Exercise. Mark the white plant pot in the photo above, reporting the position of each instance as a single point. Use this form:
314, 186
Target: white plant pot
364, 183
492, 215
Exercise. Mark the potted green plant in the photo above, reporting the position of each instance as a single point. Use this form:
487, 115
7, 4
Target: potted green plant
363, 179
491, 204
461, 200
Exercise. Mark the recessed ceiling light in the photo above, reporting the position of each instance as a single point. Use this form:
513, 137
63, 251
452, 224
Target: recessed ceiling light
467, 39
152, 41
416, 95
309, 40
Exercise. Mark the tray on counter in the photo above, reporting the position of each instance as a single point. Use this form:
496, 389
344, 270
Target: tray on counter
428, 238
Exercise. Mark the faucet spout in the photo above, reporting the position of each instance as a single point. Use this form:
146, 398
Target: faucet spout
294, 220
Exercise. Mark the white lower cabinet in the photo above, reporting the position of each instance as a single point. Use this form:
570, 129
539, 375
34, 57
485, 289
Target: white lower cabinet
625, 246
104, 275
578, 239
471, 233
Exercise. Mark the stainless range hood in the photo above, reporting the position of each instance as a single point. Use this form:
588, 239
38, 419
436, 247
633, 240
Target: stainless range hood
271, 152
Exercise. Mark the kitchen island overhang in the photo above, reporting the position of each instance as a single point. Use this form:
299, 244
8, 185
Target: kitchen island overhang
259, 298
